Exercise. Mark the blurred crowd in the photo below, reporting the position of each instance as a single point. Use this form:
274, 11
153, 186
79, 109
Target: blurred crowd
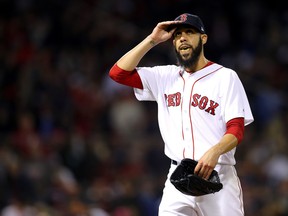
74, 143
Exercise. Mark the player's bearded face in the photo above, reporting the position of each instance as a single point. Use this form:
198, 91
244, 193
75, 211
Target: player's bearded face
189, 60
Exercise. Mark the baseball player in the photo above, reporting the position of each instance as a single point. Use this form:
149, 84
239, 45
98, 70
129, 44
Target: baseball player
202, 111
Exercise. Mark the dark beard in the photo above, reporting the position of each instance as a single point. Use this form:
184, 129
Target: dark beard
191, 62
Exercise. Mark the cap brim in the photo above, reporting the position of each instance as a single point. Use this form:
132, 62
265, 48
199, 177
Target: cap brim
172, 26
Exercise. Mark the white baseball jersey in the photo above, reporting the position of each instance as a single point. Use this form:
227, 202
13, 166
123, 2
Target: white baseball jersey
193, 109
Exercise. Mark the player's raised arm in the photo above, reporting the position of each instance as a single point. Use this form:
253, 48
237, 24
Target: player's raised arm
159, 34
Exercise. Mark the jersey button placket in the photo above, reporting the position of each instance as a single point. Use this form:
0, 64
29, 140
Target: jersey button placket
186, 119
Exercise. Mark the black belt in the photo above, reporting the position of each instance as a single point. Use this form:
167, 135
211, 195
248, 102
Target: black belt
174, 162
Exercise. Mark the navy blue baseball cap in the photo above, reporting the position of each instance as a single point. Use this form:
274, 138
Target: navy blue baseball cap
190, 20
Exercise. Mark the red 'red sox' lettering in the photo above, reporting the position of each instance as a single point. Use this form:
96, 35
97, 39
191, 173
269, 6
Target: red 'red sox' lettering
202, 103
212, 107
173, 99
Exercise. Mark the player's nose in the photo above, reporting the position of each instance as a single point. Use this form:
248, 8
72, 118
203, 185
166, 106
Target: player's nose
183, 38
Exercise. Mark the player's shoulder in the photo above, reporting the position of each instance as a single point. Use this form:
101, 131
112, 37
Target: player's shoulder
226, 71
170, 67
167, 70
224, 68
227, 75
159, 72
161, 68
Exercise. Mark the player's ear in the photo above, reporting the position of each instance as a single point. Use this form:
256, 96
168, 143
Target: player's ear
204, 38
174, 42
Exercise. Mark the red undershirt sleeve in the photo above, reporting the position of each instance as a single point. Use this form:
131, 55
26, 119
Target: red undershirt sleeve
236, 127
129, 78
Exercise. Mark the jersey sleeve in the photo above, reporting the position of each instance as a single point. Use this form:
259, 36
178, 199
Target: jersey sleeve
153, 79
235, 99
148, 79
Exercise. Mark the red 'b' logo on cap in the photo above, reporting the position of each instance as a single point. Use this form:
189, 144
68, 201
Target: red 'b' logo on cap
183, 17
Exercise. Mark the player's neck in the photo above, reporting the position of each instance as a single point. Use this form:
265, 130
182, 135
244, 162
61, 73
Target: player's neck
202, 63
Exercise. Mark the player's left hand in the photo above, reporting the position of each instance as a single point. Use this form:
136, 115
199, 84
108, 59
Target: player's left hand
206, 164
